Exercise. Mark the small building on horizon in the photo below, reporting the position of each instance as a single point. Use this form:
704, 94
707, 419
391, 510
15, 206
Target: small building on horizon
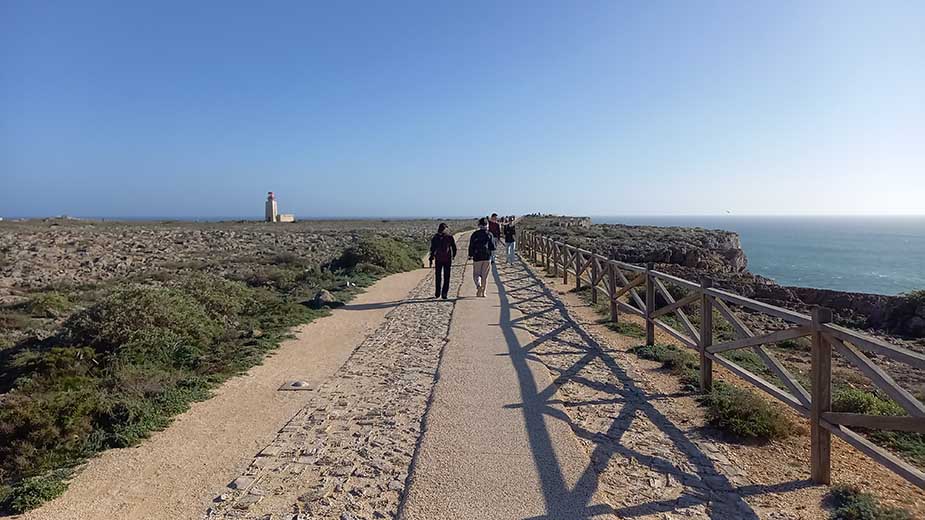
271, 211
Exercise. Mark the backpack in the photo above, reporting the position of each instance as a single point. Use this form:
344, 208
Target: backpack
482, 245
444, 251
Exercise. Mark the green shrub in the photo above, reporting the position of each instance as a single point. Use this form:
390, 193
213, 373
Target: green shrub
849, 503
743, 413
800, 344
32, 492
43, 429
682, 363
145, 321
392, 255
220, 298
854, 400
628, 329
748, 360
49, 305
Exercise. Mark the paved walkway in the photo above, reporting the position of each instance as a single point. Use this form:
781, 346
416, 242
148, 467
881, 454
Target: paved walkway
490, 451
484, 408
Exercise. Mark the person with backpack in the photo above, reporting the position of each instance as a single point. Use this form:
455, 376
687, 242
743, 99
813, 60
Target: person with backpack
495, 229
481, 249
510, 237
442, 252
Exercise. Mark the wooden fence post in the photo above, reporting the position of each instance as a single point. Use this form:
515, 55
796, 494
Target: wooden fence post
565, 260
706, 335
546, 252
577, 270
650, 304
820, 438
594, 274
555, 257
612, 281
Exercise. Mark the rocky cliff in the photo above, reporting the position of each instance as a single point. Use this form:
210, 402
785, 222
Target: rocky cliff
706, 249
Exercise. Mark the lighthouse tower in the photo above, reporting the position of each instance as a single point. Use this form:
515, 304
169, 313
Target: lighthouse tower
271, 210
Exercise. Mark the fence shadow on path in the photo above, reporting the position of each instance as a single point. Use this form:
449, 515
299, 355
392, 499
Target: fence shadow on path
705, 486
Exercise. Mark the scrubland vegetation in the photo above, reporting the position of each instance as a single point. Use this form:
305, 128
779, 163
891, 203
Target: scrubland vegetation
88, 368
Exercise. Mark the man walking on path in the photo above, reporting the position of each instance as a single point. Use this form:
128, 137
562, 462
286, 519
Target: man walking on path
481, 250
442, 251
495, 229
510, 237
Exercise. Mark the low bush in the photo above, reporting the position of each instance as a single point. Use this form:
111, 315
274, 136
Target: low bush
743, 413
854, 400
627, 329
389, 254
850, 503
682, 363
49, 305
738, 411
748, 360
32, 492
146, 324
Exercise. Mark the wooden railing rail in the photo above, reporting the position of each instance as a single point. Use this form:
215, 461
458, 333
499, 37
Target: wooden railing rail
607, 277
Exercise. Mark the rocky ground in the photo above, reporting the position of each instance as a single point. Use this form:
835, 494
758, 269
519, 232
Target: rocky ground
37, 254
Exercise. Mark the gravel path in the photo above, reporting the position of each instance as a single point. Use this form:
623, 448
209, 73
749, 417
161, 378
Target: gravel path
347, 453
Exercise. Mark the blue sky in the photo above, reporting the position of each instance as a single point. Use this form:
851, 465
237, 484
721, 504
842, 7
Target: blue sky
436, 108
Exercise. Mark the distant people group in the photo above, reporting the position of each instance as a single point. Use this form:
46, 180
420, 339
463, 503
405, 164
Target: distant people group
483, 244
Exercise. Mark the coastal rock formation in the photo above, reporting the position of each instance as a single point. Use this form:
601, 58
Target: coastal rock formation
706, 249
694, 252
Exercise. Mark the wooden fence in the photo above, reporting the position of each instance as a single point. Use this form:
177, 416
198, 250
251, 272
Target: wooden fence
619, 280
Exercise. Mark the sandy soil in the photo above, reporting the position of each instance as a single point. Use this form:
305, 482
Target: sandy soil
174, 474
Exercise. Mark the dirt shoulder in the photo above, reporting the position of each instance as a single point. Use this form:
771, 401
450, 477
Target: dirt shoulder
174, 474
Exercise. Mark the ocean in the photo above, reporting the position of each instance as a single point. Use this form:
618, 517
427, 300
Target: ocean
882, 255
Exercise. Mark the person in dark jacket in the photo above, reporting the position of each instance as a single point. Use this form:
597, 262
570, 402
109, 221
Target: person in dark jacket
481, 249
442, 252
510, 237
494, 227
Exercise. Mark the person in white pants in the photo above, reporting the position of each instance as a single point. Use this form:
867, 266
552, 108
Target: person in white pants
481, 247
510, 241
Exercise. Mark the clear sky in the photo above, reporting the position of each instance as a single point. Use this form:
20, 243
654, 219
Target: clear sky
178, 108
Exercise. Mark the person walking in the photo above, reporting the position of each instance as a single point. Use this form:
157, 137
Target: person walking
442, 252
510, 238
495, 229
481, 249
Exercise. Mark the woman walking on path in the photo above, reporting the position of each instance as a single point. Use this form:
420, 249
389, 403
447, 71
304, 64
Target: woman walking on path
495, 229
442, 251
481, 249
510, 237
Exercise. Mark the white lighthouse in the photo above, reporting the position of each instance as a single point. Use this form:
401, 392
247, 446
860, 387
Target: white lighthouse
271, 211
